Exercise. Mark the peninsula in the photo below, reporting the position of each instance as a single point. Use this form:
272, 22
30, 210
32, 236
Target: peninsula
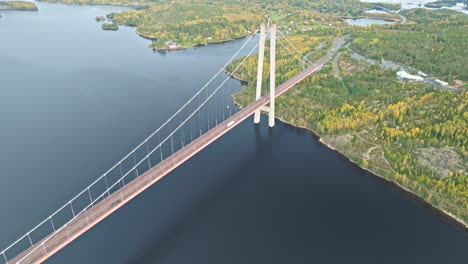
411, 133
18, 6
182, 23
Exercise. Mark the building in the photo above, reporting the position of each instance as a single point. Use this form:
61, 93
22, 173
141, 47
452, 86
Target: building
172, 44
404, 76
441, 82
422, 74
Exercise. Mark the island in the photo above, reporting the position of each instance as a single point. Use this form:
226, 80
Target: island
110, 26
179, 24
185, 24
18, 6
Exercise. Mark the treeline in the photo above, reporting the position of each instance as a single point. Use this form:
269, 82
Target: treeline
418, 134
337, 7
436, 44
449, 3
18, 5
191, 24
185, 23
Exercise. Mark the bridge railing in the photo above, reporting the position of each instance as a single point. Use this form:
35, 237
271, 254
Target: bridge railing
198, 115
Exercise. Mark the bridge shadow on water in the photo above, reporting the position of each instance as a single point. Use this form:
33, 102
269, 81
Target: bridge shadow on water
229, 182
279, 196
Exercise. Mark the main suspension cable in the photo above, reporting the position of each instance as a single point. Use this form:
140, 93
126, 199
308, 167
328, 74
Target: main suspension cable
118, 164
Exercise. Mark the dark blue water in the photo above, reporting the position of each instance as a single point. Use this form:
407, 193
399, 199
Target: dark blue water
74, 99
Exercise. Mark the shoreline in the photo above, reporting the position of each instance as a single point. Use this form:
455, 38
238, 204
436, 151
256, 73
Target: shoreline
458, 221
90, 4
394, 20
449, 216
137, 7
235, 77
18, 9
197, 45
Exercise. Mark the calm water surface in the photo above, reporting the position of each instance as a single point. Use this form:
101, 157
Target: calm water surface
409, 4
364, 21
74, 99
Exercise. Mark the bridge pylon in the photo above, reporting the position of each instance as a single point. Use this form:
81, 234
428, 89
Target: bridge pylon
261, 54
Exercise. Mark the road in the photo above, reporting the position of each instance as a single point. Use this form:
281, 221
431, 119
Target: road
305, 58
403, 19
336, 68
45, 248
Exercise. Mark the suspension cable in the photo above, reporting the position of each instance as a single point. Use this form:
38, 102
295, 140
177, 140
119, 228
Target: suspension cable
296, 49
142, 160
135, 149
210, 96
290, 52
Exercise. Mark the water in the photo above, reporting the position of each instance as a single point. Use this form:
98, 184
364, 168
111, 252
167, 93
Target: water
386, 64
364, 21
409, 4
74, 99
362, 58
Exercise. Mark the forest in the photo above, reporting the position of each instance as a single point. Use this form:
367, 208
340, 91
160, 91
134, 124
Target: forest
185, 23
18, 5
413, 134
192, 24
110, 26
188, 23
449, 3
434, 42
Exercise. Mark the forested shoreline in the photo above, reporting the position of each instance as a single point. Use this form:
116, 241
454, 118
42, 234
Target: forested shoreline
413, 134
183, 24
178, 24
18, 6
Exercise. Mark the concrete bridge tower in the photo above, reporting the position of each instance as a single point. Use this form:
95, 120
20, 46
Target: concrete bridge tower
261, 54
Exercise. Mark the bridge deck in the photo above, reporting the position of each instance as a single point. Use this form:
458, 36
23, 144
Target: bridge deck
45, 248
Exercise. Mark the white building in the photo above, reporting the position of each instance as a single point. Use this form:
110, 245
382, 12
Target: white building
172, 44
441, 82
422, 74
404, 76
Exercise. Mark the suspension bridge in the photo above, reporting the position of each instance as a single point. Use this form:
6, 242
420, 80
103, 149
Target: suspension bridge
201, 120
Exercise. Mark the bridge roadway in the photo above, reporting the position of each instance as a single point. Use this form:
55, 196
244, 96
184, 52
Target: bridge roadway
48, 246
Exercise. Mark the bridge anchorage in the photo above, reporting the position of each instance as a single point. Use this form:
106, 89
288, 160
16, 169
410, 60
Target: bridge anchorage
206, 116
